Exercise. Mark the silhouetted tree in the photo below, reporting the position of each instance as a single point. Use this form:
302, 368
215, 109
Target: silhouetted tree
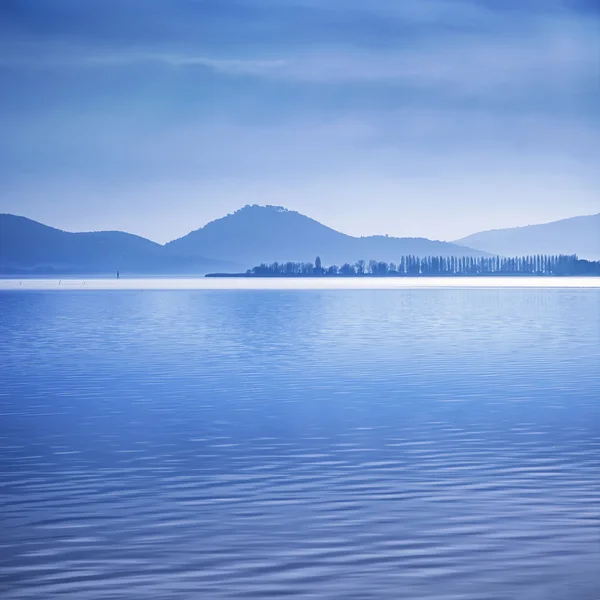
440, 265
318, 267
372, 268
360, 267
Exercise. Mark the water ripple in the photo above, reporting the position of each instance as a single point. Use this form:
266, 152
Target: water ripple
435, 444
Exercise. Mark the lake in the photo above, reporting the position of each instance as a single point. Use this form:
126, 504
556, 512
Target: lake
437, 443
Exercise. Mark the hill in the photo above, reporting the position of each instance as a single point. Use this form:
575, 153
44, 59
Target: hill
256, 234
29, 247
577, 235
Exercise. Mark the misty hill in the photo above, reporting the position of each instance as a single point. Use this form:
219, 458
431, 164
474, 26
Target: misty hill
577, 235
256, 234
27, 246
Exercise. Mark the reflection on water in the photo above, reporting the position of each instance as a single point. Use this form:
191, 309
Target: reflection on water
318, 444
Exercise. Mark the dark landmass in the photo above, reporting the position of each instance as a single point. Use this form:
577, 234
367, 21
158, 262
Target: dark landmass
577, 235
432, 266
250, 236
31, 248
256, 234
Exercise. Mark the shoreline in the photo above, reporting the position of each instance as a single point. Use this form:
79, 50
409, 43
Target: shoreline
392, 276
300, 283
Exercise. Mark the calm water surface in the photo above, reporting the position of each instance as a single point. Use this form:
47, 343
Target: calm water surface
307, 444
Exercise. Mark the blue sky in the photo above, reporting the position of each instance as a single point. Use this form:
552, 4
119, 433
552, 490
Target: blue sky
414, 117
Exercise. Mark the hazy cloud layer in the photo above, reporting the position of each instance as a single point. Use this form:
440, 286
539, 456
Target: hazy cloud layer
194, 108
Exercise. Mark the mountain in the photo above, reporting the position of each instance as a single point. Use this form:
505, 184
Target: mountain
27, 246
577, 235
251, 235
256, 234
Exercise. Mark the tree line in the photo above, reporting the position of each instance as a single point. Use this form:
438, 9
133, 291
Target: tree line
539, 264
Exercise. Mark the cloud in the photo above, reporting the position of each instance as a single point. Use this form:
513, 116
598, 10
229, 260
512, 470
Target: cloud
548, 54
323, 105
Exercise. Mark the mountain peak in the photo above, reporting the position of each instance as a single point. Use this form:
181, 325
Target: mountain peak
260, 208
255, 234
262, 211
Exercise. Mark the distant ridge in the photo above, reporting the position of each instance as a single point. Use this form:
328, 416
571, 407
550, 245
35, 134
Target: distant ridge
29, 247
255, 234
576, 235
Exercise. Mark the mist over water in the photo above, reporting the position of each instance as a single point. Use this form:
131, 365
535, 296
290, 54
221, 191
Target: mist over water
405, 443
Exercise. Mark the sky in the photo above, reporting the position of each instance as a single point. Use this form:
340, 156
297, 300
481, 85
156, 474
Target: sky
434, 118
